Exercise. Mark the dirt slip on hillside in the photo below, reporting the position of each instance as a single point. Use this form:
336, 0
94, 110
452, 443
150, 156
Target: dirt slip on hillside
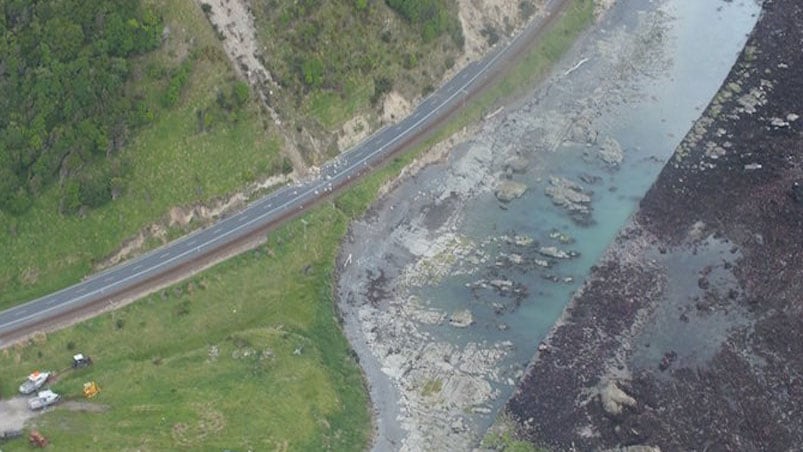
234, 22
189, 216
688, 334
479, 18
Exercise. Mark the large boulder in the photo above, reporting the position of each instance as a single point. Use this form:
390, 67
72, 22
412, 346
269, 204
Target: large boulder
582, 130
611, 152
797, 192
461, 319
567, 194
509, 190
614, 400
517, 165
636, 448
555, 253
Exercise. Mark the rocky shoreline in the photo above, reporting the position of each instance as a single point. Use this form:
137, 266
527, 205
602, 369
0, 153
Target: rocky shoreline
688, 335
440, 366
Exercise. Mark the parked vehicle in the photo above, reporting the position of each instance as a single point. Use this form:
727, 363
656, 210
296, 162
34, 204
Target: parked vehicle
43, 399
80, 360
34, 381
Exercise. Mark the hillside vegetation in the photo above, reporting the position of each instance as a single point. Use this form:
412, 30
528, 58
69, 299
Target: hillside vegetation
125, 109
431, 17
336, 59
199, 136
63, 68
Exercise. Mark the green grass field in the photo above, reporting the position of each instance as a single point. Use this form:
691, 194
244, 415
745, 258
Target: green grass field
247, 355
171, 164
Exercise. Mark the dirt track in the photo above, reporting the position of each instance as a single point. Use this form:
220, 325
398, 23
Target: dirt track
689, 333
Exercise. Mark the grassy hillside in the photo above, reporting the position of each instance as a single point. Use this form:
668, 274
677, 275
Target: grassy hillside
335, 59
174, 160
199, 140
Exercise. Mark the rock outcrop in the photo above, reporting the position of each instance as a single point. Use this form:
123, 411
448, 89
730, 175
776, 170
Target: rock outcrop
570, 196
509, 190
611, 152
614, 400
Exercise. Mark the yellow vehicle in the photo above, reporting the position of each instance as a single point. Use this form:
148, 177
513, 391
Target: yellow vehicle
91, 389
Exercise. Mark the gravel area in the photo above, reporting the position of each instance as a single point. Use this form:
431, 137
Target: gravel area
14, 412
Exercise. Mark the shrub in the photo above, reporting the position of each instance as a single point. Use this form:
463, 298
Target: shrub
382, 86
177, 81
240, 93
431, 16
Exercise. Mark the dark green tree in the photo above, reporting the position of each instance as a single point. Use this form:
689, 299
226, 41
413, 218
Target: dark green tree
63, 70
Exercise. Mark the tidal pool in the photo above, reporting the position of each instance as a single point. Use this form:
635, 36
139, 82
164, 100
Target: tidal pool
446, 292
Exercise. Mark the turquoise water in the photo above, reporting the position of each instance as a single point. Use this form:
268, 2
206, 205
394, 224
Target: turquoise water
645, 96
704, 39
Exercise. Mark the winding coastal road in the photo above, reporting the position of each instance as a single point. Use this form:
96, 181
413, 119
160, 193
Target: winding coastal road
202, 248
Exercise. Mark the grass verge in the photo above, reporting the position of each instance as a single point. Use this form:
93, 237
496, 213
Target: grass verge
248, 354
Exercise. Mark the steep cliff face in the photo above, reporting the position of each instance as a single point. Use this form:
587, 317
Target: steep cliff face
689, 333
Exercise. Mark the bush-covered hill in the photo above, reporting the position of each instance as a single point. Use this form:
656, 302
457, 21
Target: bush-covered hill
63, 66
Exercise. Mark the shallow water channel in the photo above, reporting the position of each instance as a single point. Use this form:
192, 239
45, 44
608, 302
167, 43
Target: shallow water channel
446, 291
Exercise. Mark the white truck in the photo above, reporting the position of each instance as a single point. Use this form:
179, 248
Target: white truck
43, 399
34, 381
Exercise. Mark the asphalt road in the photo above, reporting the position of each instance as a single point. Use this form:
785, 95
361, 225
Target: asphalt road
273, 208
